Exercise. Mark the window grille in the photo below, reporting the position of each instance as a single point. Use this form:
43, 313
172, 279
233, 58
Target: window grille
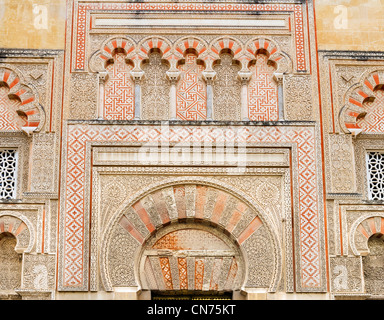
376, 175
8, 165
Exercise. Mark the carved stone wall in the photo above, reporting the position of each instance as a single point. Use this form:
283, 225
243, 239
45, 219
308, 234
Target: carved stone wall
346, 275
34, 78
39, 272
298, 98
342, 164
101, 226
120, 257
43, 173
84, 92
259, 251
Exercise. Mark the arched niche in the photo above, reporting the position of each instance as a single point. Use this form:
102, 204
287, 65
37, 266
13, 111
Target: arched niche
190, 209
10, 263
227, 87
373, 266
155, 86
19, 227
16, 237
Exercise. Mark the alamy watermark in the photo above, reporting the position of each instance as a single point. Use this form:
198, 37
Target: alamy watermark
341, 20
222, 147
40, 13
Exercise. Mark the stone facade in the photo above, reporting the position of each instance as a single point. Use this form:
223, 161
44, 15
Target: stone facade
191, 148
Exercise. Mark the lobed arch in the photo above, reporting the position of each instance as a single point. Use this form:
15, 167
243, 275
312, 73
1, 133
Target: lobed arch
226, 43
362, 230
271, 49
125, 45
205, 51
155, 43
356, 97
29, 107
142, 220
223, 45
21, 228
188, 44
103, 57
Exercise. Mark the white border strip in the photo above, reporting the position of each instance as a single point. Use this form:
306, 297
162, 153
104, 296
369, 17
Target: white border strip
234, 23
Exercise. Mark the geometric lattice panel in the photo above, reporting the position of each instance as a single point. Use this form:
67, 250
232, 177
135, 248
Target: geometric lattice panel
262, 92
376, 175
119, 103
8, 165
191, 91
373, 122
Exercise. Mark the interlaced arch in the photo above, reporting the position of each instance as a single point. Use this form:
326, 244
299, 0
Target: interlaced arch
364, 106
19, 105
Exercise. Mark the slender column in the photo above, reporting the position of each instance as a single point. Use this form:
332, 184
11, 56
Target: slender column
137, 77
103, 77
209, 77
245, 77
278, 77
173, 77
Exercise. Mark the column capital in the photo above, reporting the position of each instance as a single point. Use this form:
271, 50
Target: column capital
245, 76
137, 76
173, 76
103, 76
278, 77
209, 76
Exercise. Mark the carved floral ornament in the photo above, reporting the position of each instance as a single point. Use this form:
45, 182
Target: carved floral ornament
175, 53
28, 107
357, 110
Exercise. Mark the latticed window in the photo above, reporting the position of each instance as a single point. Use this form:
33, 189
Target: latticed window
8, 165
376, 175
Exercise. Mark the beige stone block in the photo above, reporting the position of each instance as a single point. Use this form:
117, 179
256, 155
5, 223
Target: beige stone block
33, 24
361, 30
